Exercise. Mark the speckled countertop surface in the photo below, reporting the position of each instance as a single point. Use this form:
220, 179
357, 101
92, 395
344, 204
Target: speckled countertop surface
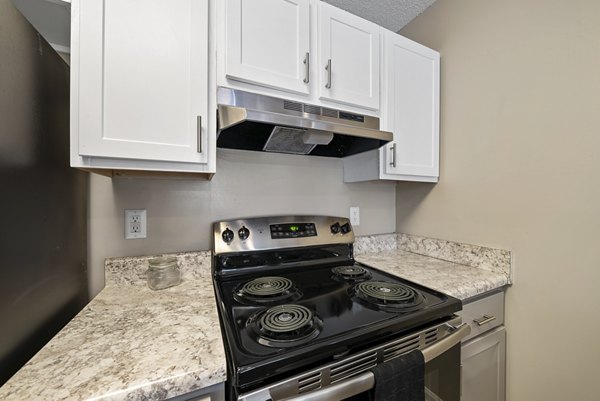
132, 343
453, 279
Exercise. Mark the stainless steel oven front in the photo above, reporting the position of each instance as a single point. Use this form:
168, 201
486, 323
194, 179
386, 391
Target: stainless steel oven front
351, 376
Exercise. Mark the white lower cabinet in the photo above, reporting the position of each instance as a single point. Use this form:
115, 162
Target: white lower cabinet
140, 86
483, 362
483, 353
410, 109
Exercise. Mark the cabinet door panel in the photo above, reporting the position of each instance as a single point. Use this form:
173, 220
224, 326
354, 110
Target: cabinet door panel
412, 110
484, 367
143, 79
267, 42
352, 45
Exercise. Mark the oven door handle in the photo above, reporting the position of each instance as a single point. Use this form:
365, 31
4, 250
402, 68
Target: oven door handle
366, 381
457, 334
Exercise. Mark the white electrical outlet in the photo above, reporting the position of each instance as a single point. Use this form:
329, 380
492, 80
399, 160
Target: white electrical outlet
135, 223
355, 215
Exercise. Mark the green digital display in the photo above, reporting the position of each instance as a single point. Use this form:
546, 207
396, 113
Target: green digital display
293, 230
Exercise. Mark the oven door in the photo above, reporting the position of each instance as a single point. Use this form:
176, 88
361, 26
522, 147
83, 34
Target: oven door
442, 375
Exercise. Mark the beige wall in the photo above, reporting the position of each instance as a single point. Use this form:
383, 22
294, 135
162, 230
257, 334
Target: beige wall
520, 169
180, 212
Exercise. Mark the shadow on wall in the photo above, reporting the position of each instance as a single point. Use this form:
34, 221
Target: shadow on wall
409, 196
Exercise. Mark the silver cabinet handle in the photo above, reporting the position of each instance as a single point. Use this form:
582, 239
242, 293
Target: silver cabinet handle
484, 319
393, 155
365, 381
328, 69
199, 132
307, 68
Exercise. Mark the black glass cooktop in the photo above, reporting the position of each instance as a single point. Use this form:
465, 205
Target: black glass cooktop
290, 318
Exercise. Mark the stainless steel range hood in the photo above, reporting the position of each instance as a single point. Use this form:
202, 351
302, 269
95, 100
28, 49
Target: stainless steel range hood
262, 123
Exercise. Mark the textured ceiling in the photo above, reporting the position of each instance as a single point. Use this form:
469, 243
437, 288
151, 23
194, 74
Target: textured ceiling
390, 14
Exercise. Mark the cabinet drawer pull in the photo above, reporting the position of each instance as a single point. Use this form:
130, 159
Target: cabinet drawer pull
328, 69
484, 319
199, 131
307, 68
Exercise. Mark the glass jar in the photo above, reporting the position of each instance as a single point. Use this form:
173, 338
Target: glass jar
163, 272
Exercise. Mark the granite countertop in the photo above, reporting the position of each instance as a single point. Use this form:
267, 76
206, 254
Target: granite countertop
460, 281
461, 270
132, 343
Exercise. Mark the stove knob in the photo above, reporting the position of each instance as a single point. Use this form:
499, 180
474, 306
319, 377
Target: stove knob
346, 228
227, 235
243, 233
335, 228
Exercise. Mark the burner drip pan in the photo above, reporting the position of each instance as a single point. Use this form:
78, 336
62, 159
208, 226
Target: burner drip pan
350, 273
267, 290
384, 295
286, 325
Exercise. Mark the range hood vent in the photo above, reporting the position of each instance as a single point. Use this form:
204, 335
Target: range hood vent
262, 123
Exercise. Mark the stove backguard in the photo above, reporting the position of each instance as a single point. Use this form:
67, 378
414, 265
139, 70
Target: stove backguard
280, 232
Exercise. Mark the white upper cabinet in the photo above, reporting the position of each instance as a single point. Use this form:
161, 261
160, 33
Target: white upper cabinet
412, 76
349, 58
282, 48
410, 109
268, 43
140, 87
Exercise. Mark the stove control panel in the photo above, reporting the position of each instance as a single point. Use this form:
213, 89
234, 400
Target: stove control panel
267, 233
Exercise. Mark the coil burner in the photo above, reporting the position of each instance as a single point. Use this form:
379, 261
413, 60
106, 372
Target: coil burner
286, 325
350, 273
267, 290
388, 296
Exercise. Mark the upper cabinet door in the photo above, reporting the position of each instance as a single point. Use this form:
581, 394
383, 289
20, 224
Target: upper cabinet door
142, 79
349, 58
411, 109
268, 43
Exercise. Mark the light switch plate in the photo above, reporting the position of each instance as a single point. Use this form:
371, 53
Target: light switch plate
355, 215
135, 223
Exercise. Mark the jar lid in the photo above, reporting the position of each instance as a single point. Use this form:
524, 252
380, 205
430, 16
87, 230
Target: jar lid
162, 262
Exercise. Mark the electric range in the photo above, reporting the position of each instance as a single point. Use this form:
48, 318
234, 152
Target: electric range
292, 298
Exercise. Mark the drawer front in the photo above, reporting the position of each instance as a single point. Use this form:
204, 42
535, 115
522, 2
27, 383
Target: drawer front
484, 314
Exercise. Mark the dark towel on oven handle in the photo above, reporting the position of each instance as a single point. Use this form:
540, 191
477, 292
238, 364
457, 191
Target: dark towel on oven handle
401, 379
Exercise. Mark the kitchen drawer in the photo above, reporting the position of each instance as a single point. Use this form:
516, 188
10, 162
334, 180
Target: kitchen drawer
483, 314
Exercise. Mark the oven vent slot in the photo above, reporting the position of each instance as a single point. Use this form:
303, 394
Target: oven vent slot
408, 344
431, 336
398, 349
309, 382
353, 366
294, 106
